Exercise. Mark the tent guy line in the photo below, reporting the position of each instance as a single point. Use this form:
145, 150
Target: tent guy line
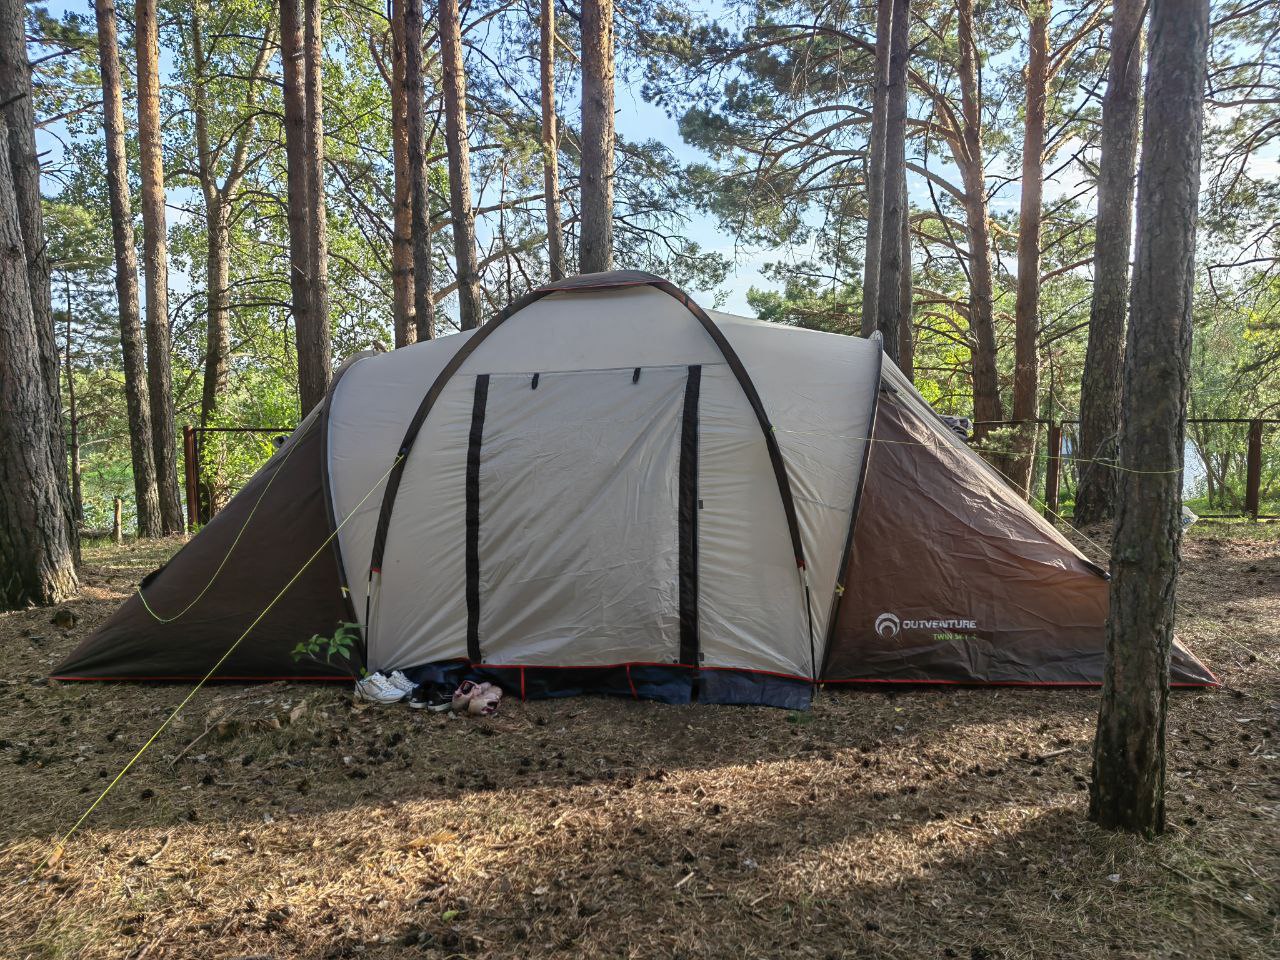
56, 853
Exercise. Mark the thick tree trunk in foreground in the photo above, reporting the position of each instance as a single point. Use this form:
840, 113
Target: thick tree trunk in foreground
1104, 358
875, 170
314, 357
37, 553
419, 185
295, 137
459, 150
595, 234
1127, 791
1026, 370
155, 255
889, 294
24, 164
551, 143
146, 497
969, 156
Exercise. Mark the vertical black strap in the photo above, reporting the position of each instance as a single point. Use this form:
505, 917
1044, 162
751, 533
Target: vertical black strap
473, 517
688, 520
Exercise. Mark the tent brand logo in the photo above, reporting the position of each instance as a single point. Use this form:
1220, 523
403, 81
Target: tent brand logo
888, 625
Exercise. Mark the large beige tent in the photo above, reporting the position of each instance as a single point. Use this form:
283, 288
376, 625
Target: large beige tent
607, 487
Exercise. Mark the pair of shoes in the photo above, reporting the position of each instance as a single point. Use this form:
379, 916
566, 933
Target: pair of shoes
477, 699
431, 696
384, 688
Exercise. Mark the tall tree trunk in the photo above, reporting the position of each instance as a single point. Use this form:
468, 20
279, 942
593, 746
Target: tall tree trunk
1127, 791
217, 241
24, 164
1104, 357
889, 307
155, 254
906, 333
37, 553
419, 184
455, 135
969, 157
146, 497
1026, 369
875, 169
406, 331
73, 423
217, 355
551, 143
295, 136
314, 350
595, 234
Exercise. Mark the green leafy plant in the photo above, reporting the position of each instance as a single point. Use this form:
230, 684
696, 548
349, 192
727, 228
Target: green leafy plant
324, 649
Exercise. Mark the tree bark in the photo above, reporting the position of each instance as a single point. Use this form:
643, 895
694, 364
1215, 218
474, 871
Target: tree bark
295, 136
146, 497
314, 350
217, 354
73, 424
1127, 790
551, 143
419, 184
455, 135
24, 164
155, 253
1026, 369
1104, 356
37, 550
889, 289
968, 153
595, 237
406, 331
906, 333
875, 169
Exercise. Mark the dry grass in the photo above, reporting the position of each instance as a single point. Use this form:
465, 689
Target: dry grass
924, 824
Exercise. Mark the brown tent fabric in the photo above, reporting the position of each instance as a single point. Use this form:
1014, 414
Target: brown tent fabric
953, 579
265, 534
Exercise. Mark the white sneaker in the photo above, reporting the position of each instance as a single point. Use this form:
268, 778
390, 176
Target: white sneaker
402, 683
378, 689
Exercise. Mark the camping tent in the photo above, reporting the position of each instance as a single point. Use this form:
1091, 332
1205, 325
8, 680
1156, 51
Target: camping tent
607, 487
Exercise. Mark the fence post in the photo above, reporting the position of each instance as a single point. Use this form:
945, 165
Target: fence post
190, 470
1253, 470
117, 533
1052, 468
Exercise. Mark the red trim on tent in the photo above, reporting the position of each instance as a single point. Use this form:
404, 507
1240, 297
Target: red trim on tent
1013, 683
631, 684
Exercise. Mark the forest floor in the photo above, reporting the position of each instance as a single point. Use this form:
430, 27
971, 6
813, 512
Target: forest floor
926, 823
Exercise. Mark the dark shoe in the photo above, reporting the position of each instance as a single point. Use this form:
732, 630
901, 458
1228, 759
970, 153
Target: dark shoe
431, 696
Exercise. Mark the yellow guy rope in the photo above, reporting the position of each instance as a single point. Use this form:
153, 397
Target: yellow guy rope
231, 549
58, 849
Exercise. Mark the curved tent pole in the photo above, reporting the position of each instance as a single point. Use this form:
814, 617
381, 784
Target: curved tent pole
605, 281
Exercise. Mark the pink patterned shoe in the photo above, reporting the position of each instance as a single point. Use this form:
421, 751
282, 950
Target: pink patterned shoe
477, 699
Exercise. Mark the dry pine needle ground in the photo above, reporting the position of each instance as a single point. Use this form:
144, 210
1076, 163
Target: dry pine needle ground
282, 821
